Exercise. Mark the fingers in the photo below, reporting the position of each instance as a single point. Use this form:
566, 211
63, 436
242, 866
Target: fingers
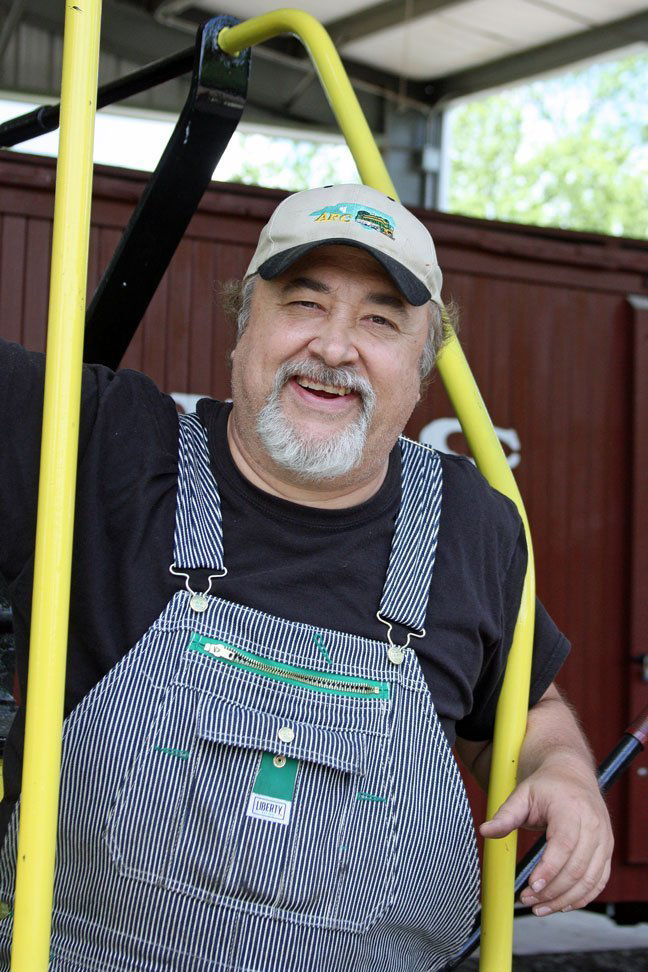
577, 895
575, 866
572, 872
513, 813
565, 854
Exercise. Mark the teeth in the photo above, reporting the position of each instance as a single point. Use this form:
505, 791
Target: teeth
316, 386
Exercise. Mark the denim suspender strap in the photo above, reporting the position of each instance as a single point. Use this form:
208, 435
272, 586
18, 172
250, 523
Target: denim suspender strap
407, 585
198, 540
198, 537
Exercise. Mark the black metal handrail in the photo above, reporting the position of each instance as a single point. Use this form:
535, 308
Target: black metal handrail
47, 117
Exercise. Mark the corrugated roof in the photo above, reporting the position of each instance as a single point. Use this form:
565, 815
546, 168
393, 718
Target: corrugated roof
424, 40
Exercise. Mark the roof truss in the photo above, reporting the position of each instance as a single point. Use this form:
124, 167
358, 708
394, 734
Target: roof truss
130, 31
380, 16
537, 60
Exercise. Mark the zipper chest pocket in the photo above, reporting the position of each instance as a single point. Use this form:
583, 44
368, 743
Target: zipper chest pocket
347, 686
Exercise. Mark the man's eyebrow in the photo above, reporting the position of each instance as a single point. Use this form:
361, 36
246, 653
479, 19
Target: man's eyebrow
387, 300
382, 298
296, 283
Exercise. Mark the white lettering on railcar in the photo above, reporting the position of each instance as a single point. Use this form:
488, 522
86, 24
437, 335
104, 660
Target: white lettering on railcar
437, 434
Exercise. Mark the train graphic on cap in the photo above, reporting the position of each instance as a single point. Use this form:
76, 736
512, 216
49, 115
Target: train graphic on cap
355, 213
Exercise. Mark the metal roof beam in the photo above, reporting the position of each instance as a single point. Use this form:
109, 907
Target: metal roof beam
279, 67
126, 30
536, 60
390, 13
11, 22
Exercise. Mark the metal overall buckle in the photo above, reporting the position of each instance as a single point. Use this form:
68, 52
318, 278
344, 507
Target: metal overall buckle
396, 653
198, 601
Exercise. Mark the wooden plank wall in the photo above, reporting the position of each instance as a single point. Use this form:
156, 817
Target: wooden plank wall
548, 330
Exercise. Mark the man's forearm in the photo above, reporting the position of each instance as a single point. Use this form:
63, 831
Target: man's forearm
553, 734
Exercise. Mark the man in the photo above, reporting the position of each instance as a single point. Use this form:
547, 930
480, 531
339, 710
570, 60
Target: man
278, 628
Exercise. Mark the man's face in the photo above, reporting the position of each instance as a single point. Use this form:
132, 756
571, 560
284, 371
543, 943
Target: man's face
327, 372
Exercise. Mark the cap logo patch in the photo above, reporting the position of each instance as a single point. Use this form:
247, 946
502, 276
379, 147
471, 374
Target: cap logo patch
355, 213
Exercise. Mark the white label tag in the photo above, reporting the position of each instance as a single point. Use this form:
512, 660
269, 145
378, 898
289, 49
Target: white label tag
269, 808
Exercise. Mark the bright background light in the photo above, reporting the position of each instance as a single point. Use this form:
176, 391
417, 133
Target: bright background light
136, 141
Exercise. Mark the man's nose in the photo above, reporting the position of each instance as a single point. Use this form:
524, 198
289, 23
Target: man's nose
334, 342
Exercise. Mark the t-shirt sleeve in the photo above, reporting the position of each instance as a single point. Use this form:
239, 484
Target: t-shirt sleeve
22, 375
550, 649
119, 412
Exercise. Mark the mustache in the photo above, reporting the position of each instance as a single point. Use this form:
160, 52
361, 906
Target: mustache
316, 371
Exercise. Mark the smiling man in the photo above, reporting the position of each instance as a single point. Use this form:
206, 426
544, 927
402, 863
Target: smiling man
325, 377
284, 615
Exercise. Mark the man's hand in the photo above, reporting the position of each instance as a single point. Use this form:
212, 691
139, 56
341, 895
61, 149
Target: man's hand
558, 793
563, 797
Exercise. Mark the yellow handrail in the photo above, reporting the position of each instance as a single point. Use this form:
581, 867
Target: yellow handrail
499, 855
52, 569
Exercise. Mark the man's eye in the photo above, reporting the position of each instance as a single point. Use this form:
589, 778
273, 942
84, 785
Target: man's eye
382, 321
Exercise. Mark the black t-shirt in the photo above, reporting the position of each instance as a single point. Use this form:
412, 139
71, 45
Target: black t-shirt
319, 566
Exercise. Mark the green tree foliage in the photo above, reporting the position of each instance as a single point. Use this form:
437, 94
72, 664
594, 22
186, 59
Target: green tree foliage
570, 151
286, 163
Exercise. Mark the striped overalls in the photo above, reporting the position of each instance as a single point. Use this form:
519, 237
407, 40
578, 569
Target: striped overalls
243, 792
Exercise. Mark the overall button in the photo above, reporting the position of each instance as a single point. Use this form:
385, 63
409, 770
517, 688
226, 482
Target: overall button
198, 603
286, 734
395, 655
279, 761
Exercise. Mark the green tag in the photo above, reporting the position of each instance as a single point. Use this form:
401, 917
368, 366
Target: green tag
276, 777
272, 794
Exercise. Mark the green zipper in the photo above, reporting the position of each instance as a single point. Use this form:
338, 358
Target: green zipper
343, 685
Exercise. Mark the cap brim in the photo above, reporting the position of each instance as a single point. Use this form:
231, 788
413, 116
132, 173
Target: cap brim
414, 292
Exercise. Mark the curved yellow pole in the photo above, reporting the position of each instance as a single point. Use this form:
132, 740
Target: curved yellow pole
499, 857
335, 82
498, 873
50, 611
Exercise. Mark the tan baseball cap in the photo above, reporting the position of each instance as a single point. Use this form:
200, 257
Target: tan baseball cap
354, 216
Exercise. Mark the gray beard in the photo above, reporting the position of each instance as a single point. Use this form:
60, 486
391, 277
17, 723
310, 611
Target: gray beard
307, 458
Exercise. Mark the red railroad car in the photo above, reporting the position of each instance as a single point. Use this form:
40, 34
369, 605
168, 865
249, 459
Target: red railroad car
555, 326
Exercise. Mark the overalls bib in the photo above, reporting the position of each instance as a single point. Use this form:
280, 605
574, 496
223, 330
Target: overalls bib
245, 793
